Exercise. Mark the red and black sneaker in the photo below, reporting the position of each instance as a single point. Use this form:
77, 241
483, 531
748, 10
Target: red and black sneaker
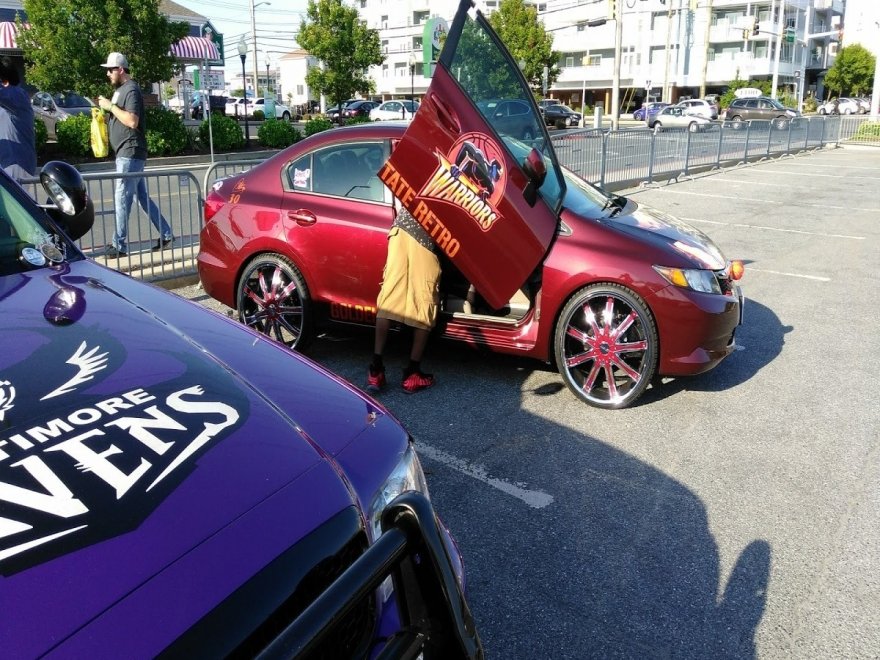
375, 380
417, 381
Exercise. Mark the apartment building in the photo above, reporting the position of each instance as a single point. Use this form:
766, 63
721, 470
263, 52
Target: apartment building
670, 48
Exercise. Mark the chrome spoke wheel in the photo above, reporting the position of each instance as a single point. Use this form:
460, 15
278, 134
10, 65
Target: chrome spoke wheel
606, 345
273, 299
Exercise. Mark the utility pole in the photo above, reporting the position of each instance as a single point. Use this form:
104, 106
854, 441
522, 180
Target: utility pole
706, 54
778, 48
875, 94
615, 83
667, 93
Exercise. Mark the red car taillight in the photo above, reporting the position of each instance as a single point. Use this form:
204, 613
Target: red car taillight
213, 203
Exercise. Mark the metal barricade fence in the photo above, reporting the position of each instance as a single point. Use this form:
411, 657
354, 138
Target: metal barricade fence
223, 169
177, 195
629, 157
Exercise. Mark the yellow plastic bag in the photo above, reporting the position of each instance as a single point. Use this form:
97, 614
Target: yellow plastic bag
100, 141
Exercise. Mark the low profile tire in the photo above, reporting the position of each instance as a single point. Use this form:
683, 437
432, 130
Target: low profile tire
737, 123
781, 123
273, 299
658, 127
286, 116
606, 345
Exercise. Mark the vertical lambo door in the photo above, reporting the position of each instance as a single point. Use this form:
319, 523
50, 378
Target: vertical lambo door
488, 192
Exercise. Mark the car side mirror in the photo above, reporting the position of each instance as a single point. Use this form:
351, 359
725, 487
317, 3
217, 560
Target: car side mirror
536, 171
72, 209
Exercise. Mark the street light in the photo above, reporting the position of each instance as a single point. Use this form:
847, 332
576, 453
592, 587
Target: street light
242, 53
585, 62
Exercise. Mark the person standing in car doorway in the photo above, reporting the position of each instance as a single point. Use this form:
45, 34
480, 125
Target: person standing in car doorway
129, 143
410, 294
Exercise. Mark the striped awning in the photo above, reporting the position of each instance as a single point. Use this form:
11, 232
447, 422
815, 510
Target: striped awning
8, 32
195, 48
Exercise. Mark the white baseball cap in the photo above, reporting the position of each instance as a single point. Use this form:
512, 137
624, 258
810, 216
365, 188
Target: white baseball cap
115, 60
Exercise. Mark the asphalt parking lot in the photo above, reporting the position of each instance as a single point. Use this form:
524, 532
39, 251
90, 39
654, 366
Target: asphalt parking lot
734, 514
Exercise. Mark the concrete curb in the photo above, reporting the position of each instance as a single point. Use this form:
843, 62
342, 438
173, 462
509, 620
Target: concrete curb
197, 159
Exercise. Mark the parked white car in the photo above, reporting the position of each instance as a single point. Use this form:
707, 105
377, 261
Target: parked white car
235, 107
676, 116
394, 109
700, 107
841, 106
281, 110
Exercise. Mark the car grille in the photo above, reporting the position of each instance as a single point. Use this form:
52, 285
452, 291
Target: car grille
244, 624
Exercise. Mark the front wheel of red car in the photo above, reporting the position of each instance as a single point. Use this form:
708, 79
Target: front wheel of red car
273, 299
606, 345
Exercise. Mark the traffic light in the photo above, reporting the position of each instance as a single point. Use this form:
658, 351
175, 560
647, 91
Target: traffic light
756, 28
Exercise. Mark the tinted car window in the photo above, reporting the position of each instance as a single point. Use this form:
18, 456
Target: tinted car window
71, 101
348, 170
486, 72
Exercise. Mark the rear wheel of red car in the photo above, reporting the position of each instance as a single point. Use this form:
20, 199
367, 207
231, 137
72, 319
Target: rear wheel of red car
606, 345
273, 299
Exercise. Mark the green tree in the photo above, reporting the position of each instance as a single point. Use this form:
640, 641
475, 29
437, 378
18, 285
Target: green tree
738, 83
525, 37
335, 35
68, 40
852, 72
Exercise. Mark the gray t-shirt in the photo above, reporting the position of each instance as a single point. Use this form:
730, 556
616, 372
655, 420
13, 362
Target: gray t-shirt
129, 142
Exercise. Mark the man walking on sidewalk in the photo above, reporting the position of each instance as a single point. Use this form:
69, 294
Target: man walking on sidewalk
129, 143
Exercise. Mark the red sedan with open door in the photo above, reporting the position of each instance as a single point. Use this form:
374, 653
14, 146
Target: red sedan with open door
537, 261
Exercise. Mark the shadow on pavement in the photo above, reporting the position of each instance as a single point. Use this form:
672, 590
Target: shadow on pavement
621, 563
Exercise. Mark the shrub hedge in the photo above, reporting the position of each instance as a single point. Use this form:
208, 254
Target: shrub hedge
74, 135
278, 134
318, 124
226, 132
166, 134
41, 133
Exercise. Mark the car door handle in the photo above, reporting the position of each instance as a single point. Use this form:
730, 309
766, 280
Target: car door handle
302, 217
445, 115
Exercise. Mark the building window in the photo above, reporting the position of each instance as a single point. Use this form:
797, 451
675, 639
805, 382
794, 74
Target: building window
401, 70
569, 61
419, 17
384, 22
416, 44
384, 70
385, 46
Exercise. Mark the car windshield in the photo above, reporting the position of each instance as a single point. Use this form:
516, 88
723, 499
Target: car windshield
487, 74
70, 100
583, 198
19, 228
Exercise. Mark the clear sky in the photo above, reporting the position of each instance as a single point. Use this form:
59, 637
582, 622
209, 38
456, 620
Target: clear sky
277, 23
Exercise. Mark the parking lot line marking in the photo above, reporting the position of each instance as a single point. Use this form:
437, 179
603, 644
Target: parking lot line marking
534, 498
787, 231
778, 272
827, 176
766, 201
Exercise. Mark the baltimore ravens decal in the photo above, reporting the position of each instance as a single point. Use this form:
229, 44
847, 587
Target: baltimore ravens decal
109, 442
471, 177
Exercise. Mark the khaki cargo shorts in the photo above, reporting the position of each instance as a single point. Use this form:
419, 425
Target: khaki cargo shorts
410, 290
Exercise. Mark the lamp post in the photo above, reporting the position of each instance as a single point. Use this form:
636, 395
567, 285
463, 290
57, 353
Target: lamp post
267, 76
412, 76
242, 53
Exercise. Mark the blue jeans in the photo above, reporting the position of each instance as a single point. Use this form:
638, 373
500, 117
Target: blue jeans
125, 192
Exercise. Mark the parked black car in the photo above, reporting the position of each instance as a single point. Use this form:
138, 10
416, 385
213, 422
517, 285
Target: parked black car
217, 102
356, 109
560, 116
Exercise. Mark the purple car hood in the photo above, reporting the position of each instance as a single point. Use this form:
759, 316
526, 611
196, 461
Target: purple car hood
128, 438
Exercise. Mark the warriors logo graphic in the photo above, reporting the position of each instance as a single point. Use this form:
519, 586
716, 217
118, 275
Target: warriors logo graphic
471, 177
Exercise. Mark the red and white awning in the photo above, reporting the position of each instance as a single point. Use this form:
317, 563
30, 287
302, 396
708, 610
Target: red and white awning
195, 48
8, 32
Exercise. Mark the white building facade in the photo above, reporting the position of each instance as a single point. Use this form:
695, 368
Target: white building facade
670, 48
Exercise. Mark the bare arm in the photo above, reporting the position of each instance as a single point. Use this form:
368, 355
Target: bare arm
130, 119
